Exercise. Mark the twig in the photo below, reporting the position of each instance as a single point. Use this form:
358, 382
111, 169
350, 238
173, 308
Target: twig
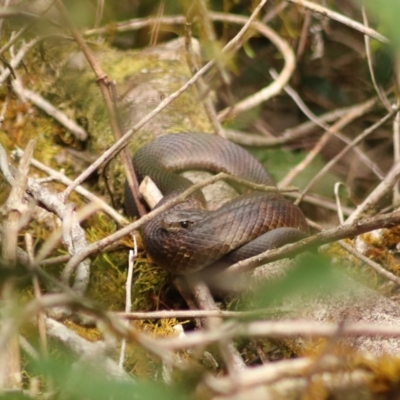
89, 350
330, 369
276, 86
49, 109
69, 297
5, 6
327, 236
396, 154
341, 18
13, 38
356, 112
10, 366
342, 122
23, 14
205, 301
378, 89
60, 177
281, 329
99, 12
315, 199
25, 48
38, 293
128, 300
248, 22
166, 314
201, 86
267, 374
375, 266
155, 29
74, 240
23, 30
15, 207
303, 36
211, 37
291, 134
338, 202
357, 140
273, 13
4, 108
377, 194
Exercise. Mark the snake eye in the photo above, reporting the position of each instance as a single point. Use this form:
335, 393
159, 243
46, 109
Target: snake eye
184, 224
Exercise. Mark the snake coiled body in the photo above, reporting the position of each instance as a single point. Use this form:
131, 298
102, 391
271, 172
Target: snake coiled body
188, 238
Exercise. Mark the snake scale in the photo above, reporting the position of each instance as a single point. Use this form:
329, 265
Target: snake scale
188, 238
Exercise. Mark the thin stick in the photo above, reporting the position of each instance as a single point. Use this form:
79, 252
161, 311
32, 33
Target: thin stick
49, 109
128, 299
205, 301
356, 112
377, 194
155, 29
274, 12
341, 18
342, 122
10, 364
201, 86
5, 6
23, 30
338, 202
316, 200
211, 37
378, 89
290, 373
25, 48
357, 140
15, 208
99, 12
375, 266
38, 294
60, 177
396, 155
73, 238
166, 314
282, 329
327, 236
291, 134
276, 86
303, 36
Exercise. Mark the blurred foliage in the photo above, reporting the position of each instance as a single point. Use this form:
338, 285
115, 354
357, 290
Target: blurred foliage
310, 275
385, 14
75, 381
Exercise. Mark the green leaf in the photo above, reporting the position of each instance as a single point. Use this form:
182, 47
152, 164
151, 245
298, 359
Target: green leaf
385, 13
78, 380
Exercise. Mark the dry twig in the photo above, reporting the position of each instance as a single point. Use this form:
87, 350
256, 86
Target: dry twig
341, 18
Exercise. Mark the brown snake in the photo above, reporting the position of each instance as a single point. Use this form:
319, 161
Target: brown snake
188, 238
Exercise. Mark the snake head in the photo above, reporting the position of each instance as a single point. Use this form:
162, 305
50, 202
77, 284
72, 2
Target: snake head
178, 220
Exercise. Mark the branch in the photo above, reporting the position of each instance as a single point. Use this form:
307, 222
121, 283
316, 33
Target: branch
342, 19
329, 235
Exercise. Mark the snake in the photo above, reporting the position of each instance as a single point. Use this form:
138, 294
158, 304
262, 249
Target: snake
188, 237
